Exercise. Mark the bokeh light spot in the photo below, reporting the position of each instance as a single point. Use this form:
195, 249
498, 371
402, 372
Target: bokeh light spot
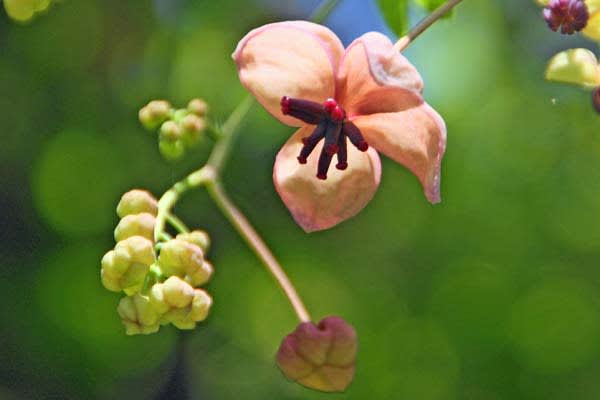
555, 326
77, 182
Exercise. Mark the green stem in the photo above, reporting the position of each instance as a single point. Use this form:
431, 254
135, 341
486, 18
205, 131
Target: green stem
229, 132
425, 23
255, 242
177, 223
323, 10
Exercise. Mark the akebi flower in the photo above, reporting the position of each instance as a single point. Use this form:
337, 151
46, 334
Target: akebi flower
569, 15
347, 103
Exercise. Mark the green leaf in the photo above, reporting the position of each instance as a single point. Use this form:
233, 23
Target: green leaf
395, 13
431, 5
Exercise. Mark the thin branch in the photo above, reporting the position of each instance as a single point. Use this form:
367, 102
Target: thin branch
425, 23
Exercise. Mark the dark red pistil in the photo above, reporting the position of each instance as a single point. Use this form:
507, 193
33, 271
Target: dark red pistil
569, 15
331, 126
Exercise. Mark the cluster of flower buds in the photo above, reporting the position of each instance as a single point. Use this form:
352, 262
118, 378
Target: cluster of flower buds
179, 129
160, 288
25, 10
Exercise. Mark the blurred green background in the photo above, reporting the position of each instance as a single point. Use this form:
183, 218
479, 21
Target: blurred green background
491, 295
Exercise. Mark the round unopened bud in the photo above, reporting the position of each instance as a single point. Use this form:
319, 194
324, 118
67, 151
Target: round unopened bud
171, 150
201, 275
176, 302
192, 127
154, 113
320, 357
178, 258
135, 225
136, 202
157, 299
198, 107
125, 267
177, 293
170, 131
196, 311
197, 237
138, 316
200, 305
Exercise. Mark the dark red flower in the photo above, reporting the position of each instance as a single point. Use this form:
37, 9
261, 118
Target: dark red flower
569, 15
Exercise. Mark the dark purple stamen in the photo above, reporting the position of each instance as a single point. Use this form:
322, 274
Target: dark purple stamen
304, 110
569, 15
311, 142
342, 154
355, 136
332, 126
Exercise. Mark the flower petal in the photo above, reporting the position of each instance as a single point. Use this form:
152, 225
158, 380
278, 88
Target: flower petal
316, 204
374, 77
296, 59
415, 138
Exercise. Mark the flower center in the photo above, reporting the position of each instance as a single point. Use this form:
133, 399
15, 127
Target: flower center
331, 126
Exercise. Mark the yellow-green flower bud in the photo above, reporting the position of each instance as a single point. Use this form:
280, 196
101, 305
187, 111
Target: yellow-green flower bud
192, 127
201, 275
154, 113
170, 131
198, 107
125, 267
196, 311
136, 225
200, 305
171, 150
177, 292
138, 316
136, 202
178, 257
176, 302
157, 299
197, 237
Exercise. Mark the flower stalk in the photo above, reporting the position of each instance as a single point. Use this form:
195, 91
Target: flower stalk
425, 23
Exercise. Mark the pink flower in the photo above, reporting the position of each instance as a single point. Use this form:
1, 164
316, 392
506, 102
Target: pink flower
368, 95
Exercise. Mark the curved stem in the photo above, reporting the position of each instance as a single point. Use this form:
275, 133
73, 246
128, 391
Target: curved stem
228, 133
178, 224
425, 23
253, 239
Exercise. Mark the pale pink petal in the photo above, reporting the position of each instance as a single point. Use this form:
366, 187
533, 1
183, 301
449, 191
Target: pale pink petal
374, 77
415, 138
295, 59
316, 204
